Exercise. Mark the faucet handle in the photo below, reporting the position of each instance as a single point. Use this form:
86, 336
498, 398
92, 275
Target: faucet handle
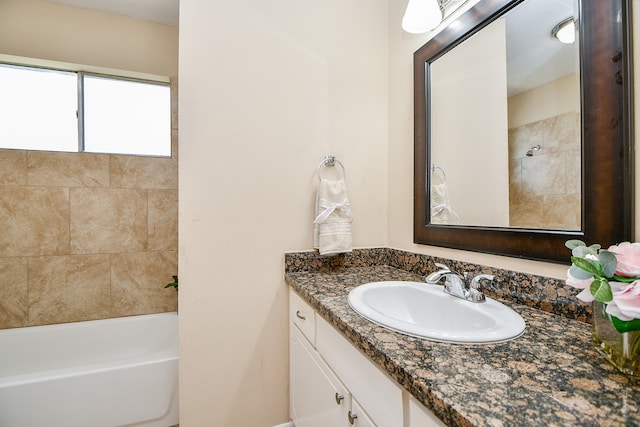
441, 266
475, 294
475, 282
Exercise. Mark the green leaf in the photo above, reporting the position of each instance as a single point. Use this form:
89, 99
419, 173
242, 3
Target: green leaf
174, 284
595, 247
579, 273
608, 262
625, 326
623, 279
574, 243
588, 266
601, 290
583, 251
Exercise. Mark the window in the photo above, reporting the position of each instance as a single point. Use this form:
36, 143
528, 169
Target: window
45, 109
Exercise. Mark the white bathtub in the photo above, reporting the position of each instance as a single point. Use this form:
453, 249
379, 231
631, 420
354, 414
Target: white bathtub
113, 372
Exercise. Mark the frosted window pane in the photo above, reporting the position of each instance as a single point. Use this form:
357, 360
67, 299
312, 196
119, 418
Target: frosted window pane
126, 117
38, 109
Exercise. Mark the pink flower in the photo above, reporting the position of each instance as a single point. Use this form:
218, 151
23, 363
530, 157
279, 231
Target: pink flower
585, 295
628, 256
626, 300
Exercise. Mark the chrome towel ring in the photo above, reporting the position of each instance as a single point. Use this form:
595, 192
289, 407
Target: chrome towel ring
331, 161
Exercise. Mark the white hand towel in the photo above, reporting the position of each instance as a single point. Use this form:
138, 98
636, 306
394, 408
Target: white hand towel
441, 212
332, 226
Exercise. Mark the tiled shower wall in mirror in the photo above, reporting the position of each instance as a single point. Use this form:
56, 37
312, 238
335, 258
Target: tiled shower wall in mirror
87, 236
545, 183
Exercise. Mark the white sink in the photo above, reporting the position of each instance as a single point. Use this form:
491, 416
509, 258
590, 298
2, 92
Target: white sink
425, 311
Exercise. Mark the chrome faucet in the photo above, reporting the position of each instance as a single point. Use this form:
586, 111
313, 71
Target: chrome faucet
459, 285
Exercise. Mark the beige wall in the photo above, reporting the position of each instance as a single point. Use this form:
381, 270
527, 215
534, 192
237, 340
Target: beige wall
39, 29
549, 100
87, 236
472, 86
266, 90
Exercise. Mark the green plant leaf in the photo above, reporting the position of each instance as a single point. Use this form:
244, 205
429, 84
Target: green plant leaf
174, 284
579, 273
601, 290
595, 247
574, 243
608, 262
623, 279
587, 265
583, 251
625, 326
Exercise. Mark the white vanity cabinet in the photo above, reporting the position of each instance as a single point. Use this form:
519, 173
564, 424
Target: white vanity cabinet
318, 399
334, 385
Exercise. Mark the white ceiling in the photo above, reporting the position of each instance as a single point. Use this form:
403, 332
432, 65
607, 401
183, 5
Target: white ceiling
534, 57
161, 11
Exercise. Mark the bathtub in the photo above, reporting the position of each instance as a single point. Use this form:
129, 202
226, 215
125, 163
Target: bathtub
113, 372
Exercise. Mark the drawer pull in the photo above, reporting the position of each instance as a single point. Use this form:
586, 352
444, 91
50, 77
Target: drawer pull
300, 316
339, 398
352, 418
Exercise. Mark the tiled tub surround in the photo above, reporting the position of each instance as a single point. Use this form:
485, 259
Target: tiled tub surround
550, 376
544, 190
86, 236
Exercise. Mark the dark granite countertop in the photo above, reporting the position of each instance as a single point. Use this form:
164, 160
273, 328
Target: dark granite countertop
549, 376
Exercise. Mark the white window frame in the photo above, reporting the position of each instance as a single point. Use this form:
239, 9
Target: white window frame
81, 72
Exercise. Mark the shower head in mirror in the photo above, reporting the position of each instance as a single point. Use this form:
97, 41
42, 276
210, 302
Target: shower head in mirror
532, 150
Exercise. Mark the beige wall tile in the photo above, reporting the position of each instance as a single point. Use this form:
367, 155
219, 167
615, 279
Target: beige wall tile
68, 169
68, 288
563, 132
138, 283
574, 171
35, 221
108, 220
527, 213
174, 103
13, 293
554, 174
13, 167
163, 220
533, 175
144, 172
522, 138
562, 212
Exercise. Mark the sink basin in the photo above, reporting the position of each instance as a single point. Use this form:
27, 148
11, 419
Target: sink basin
425, 311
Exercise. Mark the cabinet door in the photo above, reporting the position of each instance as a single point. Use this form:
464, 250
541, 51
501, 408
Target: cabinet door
419, 416
318, 399
357, 417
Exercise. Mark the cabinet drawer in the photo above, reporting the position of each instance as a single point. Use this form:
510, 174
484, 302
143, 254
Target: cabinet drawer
378, 394
303, 316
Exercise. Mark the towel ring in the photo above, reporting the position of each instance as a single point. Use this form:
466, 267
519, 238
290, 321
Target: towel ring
331, 161
434, 167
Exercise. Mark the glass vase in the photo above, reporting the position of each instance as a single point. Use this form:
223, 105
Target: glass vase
621, 349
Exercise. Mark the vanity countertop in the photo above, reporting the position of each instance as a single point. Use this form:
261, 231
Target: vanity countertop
549, 376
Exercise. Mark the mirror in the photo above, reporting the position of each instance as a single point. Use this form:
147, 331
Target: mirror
493, 174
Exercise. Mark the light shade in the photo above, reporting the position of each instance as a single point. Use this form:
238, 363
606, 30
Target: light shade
565, 31
421, 16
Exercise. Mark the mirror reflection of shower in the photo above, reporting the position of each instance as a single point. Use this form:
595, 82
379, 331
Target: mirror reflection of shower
532, 150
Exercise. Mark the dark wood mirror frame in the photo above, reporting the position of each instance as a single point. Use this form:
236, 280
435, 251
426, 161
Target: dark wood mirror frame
606, 128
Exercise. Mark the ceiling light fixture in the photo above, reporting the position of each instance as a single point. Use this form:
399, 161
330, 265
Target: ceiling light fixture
421, 16
565, 31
